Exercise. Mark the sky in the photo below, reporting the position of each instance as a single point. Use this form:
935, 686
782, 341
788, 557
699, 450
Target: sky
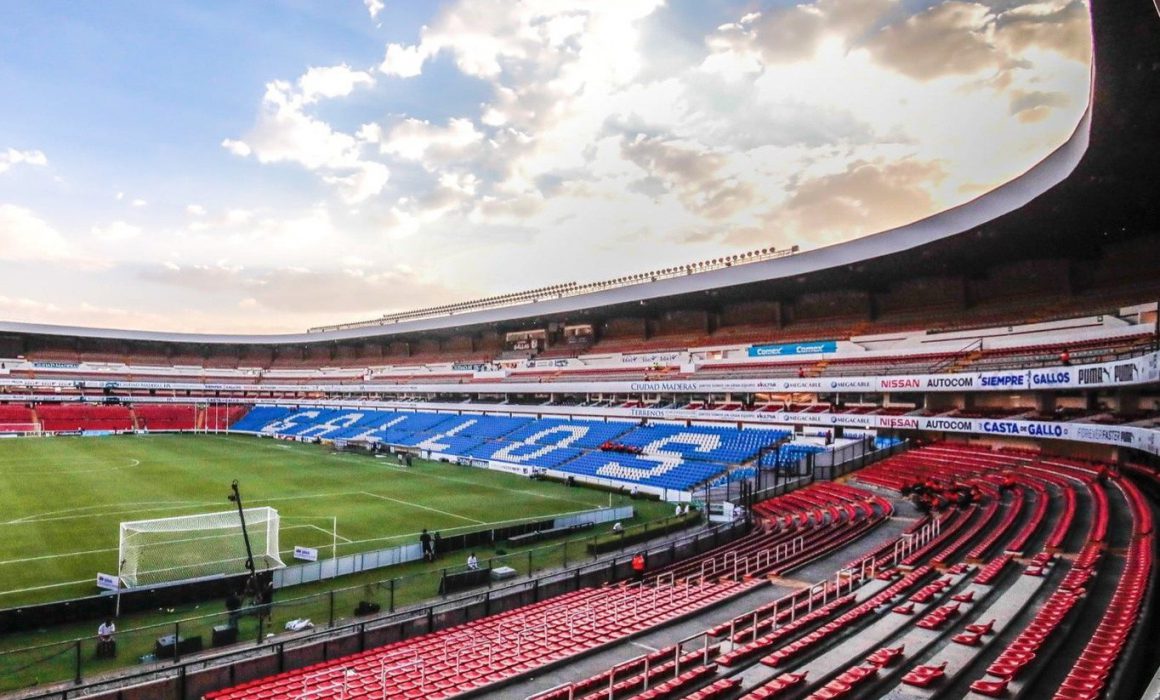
215, 166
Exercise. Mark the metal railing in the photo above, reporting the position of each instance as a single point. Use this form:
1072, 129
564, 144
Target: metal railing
644, 662
560, 291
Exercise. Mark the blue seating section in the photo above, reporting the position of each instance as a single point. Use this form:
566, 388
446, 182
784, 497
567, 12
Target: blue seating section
259, 416
390, 427
790, 454
547, 456
585, 434
480, 426
703, 442
736, 475
441, 443
670, 473
674, 456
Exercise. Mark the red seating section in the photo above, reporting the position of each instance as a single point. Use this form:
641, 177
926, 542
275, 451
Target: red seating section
16, 417
632, 675
802, 526
15, 414
165, 416
68, 417
222, 417
478, 653
776, 687
1042, 479
1090, 672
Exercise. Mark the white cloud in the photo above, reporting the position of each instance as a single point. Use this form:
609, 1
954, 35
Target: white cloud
139, 203
230, 219
238, 148
285, 132
12, 157
331, 81
116, 232
418, 140
374, 7
404, 61
195, 210
24, 236
367, 180
350, 290
238, 217
15, 308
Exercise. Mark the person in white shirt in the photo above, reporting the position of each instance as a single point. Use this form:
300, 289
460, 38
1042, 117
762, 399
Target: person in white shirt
472, 561
106, 647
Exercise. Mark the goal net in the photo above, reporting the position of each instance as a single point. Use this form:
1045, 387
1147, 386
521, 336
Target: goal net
188, 547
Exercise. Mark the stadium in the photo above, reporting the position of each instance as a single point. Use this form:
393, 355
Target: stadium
921, 463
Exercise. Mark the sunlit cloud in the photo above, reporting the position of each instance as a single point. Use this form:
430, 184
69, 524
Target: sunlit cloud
11, 157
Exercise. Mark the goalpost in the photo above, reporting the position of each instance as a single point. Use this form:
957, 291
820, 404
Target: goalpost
168, 550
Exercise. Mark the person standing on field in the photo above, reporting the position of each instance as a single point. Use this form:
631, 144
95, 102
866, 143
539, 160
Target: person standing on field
425, 542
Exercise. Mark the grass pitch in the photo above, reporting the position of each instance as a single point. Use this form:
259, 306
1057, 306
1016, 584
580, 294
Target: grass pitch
63, 499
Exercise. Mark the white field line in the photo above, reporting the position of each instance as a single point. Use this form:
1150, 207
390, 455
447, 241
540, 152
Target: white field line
132, 463
324, 531
161, 505
423, 507
58, 556
51, 585
38, 517
316, 527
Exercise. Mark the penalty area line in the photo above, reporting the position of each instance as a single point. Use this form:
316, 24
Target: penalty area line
57, 556
324, 531
41, 588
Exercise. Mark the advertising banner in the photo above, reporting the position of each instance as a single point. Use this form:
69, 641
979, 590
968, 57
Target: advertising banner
784, 349
306, 553
1132, 371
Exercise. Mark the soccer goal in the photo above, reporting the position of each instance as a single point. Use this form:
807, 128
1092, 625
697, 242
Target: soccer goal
168, 550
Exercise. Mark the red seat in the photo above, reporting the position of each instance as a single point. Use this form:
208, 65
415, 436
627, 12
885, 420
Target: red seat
969, 639
886, 656
992, 689
924, 676
981, 628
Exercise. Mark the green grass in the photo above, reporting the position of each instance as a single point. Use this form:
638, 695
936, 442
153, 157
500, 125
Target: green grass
62, 500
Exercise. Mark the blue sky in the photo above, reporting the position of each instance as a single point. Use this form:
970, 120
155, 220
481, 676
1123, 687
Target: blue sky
270, 166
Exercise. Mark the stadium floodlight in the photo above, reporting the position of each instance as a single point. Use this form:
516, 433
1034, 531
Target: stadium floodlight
188, 547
